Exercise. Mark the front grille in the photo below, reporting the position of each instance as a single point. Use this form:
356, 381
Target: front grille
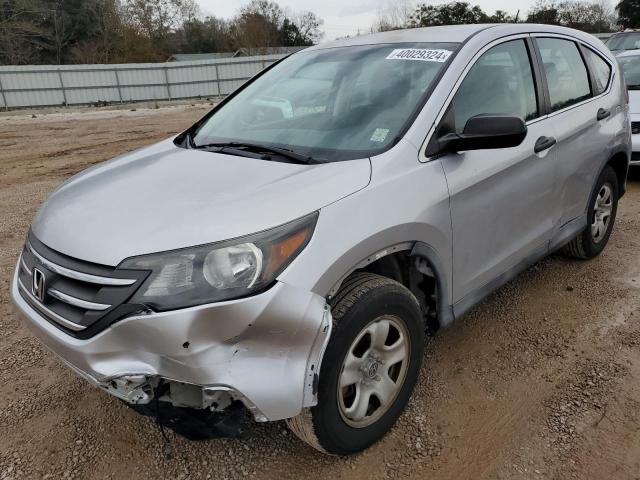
78, 297
635, 127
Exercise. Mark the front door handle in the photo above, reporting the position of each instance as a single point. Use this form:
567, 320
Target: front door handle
602, 114
543, 143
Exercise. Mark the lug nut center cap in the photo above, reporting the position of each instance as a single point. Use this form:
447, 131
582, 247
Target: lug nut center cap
371, 368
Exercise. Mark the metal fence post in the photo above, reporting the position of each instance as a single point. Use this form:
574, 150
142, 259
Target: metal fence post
115, 70
64, 93
4, 98
166, 80
217, 78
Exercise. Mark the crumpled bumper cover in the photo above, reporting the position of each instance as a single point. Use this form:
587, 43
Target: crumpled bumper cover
266, 348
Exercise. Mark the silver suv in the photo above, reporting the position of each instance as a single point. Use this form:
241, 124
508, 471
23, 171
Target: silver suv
287, 254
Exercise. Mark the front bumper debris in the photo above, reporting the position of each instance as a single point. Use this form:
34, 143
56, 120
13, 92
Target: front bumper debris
199, 424
229, 420
263, 351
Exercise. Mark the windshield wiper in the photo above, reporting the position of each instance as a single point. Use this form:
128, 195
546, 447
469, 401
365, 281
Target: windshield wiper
633, 87
260, 149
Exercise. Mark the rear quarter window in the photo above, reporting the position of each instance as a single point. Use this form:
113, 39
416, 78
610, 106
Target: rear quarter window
601, 71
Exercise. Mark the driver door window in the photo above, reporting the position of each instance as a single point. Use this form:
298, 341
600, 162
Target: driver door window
500, 82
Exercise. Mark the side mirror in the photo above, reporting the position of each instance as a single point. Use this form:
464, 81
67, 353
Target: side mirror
484, 132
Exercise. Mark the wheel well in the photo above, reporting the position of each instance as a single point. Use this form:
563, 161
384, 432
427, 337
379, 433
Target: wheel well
417, 275
620, 164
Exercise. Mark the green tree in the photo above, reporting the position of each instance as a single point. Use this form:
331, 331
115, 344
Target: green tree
544, 12
19, 31
201, 36
66, 23
108, 31
157, 18
583, 15
629, 13
454, 13
501, 17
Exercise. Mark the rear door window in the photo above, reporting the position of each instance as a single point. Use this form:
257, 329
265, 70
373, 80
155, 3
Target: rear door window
566, 72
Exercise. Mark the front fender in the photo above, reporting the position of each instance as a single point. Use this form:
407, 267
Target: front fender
406, 202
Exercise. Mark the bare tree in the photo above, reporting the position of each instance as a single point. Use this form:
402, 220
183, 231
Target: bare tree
157, 18
106, 44
394, 16
252, 30
604, 15
263, 23
63, 29
308, 28
590, 16
18, 32
258, 24
107, 31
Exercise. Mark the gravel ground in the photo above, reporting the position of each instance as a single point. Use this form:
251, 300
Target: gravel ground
542, 380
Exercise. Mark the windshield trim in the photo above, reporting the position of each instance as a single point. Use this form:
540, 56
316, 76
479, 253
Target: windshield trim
333, 155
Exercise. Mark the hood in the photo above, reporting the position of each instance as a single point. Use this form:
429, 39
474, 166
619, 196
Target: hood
634, 101
164, 197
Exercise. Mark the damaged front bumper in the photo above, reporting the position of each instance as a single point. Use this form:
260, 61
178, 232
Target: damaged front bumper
264, 351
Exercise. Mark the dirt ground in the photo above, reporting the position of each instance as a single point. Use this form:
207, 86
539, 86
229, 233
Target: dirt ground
542, 380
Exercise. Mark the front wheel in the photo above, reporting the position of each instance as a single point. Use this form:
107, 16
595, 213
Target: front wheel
370, 367
603, 206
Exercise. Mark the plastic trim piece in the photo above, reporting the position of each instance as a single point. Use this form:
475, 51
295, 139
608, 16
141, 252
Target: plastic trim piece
33, 302
83, 277
77, 302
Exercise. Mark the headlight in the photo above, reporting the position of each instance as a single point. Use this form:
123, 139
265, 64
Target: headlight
219, 271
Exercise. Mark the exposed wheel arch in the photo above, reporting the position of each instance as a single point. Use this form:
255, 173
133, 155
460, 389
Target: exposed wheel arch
417, 266
380, 255
444, 311
620, 164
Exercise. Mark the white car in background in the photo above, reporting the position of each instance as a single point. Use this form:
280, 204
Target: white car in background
630, 61
623, 41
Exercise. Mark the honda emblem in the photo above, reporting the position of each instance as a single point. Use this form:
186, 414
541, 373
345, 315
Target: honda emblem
38, 287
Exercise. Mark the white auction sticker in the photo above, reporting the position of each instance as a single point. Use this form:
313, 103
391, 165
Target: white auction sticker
380, 135
421, 54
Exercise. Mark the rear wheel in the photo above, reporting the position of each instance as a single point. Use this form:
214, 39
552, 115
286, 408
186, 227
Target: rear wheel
603, 207
370, 367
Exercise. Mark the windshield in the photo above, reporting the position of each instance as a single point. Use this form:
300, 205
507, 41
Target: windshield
331, 104
631, 69
624, 41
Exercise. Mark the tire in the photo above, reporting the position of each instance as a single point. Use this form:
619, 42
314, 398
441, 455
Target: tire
378, 384
588, 244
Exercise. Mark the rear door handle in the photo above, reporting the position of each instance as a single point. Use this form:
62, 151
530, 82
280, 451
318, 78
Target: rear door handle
602, 114
543, 143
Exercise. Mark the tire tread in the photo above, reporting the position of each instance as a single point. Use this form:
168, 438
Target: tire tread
575, 248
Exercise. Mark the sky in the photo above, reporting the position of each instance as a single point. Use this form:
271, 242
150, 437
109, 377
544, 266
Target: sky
347, 17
